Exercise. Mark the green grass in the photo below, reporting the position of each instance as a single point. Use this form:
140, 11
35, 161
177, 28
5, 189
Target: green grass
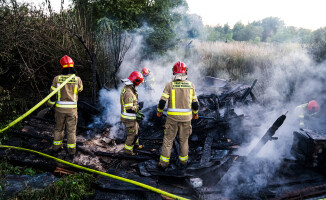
8, 168
73, 187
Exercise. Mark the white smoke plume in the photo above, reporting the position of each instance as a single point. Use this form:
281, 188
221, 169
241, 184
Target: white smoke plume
294, 80
290, 80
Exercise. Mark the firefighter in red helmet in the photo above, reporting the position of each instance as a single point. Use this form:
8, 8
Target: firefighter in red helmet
182, 106
149, 79
145, 72
65, 103
306, 112
130, 111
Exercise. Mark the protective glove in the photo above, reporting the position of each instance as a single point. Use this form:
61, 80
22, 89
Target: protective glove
139, 116
195, 116
140, 105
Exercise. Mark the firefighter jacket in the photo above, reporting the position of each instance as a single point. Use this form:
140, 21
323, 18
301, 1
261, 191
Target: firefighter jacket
129, 103
67, 96
180, 95
303, 115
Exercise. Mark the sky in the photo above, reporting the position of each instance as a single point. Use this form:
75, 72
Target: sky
308, 14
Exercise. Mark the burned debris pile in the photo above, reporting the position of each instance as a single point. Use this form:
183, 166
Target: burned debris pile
309, 147
216, 135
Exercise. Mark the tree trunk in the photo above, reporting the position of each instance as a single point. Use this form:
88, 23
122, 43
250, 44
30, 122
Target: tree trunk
94, 77
115, 80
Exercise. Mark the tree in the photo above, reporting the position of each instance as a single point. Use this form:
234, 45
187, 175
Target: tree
213, 33
270, 25
238, 31
317, 46
250, 32
162, 17
114, 44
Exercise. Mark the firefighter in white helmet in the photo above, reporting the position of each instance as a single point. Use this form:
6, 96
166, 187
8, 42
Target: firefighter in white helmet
182, 106
65, 102
130, 111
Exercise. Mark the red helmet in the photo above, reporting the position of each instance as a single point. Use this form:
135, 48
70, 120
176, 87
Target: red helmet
313, 106
66, 61
145, 71
136, 78
179, 67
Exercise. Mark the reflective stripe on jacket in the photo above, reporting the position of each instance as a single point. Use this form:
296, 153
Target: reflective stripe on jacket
302, 114
180, 94
67, 96
128, 101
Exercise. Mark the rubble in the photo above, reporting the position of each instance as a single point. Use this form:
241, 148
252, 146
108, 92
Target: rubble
309, 147
216, 135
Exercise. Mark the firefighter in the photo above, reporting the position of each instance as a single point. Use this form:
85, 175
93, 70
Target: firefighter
306, 112
65, 103
130, 111
182, 106
148, 78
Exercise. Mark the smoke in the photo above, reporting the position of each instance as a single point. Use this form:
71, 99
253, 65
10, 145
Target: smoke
160, 67
293, 80
289, 79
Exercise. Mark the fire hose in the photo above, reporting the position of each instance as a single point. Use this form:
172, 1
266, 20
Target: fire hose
97, 172
39, 104
75, 165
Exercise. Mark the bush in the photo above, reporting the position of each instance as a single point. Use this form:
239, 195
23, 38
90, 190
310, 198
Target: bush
10, 106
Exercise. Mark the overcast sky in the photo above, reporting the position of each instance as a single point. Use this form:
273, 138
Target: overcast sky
309, 14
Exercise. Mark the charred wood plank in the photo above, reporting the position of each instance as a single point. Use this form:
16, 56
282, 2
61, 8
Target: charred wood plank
206, 156
62, 171
198, 166
225, 145
123, 156
26, 159
149, 153
254, 99
150, 168
224, 96
308, 192
107, 183
214, 174
248, 91
267, 136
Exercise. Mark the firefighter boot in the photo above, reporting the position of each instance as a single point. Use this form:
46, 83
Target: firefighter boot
55, 149
182, 165
72, 156
162, 165
138, 146
129, 152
